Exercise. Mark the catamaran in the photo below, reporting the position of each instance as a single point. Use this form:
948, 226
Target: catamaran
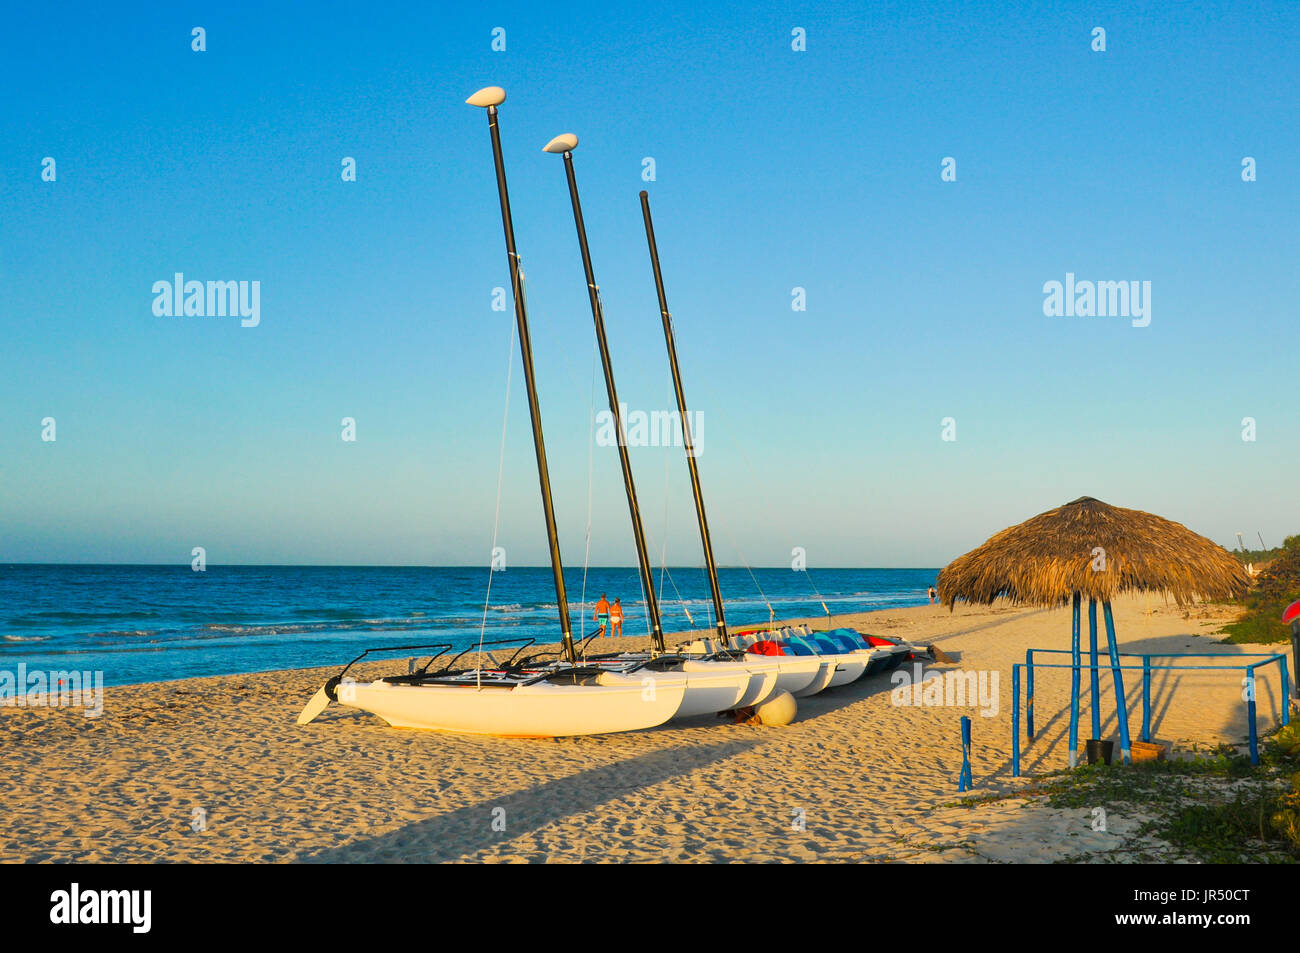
618, 691
833, 661
799, 673
715, 681
520, 699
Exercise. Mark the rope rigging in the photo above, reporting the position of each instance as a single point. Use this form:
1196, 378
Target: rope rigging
501, 465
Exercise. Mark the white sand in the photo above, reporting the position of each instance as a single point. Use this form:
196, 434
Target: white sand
854, 778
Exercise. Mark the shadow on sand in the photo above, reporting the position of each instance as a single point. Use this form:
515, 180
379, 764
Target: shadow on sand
1048, 750
468, 830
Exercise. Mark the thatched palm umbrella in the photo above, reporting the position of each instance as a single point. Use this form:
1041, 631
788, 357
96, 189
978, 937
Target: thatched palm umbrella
1089, 548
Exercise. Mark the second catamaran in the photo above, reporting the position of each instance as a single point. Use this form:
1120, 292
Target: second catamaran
714, 682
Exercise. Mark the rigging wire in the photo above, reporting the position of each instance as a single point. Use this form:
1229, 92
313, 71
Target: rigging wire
621, 436
591, 444
663, 571
771, 613
501, 466
758, 484
663, 554
750, 469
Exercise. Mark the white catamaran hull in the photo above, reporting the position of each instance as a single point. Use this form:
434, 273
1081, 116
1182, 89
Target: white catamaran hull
850, 669
536, 710
711, 687
763, 679
824, 673
794, 673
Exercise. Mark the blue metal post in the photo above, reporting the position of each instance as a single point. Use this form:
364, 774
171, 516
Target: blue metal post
1015, 721
1286, 692
1146, 698
1092, 651
1029, 694
1250, 715
1074, 684
964, 780
1121, 702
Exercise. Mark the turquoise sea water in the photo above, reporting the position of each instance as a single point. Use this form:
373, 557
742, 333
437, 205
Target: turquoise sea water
153, 623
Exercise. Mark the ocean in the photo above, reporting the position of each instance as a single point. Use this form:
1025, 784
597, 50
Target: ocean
154, 623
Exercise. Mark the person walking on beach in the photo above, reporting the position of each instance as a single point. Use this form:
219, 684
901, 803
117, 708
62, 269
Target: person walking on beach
616, 618
932, 595
602, 615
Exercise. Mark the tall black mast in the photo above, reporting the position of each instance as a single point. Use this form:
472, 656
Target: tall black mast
705, 541
491, 97
566, 144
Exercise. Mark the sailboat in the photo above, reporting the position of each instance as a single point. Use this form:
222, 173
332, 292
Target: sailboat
769, 676
714, 682
833, 663
566, 699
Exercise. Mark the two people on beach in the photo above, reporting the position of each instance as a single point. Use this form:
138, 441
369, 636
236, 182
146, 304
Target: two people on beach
609, 617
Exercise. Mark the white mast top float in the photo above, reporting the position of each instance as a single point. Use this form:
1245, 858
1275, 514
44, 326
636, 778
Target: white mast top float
562, 143
488, 96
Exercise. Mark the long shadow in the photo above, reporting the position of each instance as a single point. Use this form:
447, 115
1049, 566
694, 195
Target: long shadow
992, 624
469, 829
1048, 749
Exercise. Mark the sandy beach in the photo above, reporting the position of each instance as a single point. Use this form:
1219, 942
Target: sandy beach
855, 778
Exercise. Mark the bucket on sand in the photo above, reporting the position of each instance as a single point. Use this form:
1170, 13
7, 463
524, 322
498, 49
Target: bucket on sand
1098, 750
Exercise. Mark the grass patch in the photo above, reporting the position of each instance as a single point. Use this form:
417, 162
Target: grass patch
1260, 626
1215, 809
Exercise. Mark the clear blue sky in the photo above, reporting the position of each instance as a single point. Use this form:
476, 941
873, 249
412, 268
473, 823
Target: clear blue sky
775, 169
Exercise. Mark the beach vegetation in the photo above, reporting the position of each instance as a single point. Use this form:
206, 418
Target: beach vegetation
1275, 588
1213, 808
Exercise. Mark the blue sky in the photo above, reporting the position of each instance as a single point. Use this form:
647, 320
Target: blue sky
775, 169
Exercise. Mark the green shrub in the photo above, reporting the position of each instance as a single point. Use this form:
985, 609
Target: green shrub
1286, 817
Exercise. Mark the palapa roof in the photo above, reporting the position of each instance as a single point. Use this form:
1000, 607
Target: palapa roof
1045, 560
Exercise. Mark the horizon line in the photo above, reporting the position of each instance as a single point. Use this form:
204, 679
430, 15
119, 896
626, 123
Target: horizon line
4, 564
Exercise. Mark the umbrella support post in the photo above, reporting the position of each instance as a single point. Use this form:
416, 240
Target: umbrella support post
1121, 702
1074, 684
1250, 715
1095, 680
1015, 720
1029, 694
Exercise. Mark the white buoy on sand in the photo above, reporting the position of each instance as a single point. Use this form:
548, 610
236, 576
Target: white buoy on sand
778, 710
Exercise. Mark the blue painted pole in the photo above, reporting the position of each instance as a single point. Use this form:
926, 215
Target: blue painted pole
964, 781
1146, 698
1092, 652
1029, 694
1250, 715
1074, 684
1015, 721
1121, 702
1286, 692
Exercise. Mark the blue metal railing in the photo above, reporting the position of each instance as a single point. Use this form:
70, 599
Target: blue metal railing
1146, 668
